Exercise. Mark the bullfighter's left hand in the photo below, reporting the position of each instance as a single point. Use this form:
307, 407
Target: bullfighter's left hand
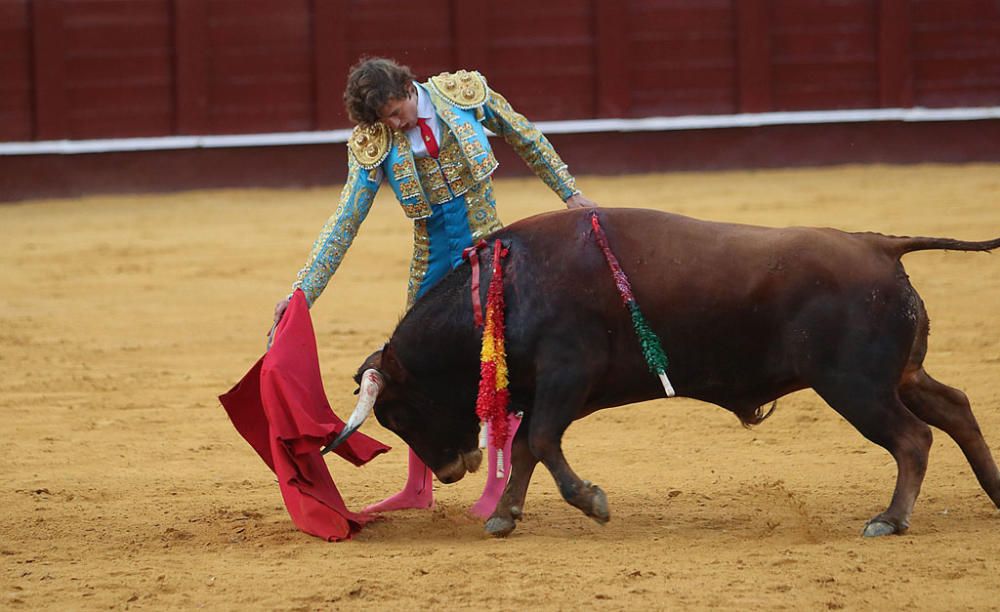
578, 201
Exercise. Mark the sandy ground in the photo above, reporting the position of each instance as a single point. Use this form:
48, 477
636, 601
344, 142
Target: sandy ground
125, 486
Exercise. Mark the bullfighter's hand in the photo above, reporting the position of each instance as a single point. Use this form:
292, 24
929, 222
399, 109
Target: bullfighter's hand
279, 309
578, 201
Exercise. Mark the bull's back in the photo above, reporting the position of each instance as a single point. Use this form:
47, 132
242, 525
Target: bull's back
708, 262
726, 299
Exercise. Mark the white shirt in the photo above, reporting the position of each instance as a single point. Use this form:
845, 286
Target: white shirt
425, 110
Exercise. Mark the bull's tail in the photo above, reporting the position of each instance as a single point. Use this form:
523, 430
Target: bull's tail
901, 245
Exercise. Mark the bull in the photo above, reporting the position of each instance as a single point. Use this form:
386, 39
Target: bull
746, 315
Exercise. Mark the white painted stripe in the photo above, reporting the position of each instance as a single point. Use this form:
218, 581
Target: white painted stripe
702, 122
645, 124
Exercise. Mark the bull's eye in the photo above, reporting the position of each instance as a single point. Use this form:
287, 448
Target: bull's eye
390, 419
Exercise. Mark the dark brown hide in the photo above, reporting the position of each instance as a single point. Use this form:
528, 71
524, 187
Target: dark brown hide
745, 314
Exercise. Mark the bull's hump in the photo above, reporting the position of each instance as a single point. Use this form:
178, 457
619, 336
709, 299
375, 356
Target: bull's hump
631, 216
636, 233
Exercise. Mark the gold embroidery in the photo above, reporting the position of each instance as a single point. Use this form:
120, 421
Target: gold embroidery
530, 144
425, 165
446, 114
409, 188
450, 154
414, 201
432, 180
464, 89
369, 143
420, 261
450, 175
484, 168
338, 232
457, 178
452, 171
482, 211
465, 131
401, 170
473, 148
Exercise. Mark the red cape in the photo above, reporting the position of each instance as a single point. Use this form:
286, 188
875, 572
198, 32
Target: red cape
281, 409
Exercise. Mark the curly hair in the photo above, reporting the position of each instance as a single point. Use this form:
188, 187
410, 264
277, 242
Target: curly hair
371, 83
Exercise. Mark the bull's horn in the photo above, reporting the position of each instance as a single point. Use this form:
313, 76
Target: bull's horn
371, 384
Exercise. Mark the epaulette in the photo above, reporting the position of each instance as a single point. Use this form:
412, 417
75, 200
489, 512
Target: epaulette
369, 144
466, 89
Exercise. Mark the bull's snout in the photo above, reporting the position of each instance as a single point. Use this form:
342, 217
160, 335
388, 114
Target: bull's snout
473, 459
450, 476
456, 470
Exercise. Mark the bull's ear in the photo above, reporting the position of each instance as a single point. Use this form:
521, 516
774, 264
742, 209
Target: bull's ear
372, 362
392, 370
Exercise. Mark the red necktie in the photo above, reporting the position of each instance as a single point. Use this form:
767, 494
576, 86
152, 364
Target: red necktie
428, 135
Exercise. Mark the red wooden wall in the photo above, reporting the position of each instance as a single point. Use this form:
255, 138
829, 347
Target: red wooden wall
118, 68
16, 117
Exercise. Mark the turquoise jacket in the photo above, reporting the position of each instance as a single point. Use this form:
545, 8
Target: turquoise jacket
450, 199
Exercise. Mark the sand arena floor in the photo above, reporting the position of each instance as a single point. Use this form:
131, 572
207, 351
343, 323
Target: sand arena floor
125, 486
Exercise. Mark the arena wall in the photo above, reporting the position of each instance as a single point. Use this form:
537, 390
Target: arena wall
117, 70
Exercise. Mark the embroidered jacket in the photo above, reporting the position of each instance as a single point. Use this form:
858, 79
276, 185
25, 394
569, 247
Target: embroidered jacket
464, 167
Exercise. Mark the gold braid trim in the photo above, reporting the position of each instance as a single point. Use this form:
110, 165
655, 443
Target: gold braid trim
369, 144
466, 89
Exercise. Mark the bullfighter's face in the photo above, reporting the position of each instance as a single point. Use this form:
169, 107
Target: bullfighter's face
400, 114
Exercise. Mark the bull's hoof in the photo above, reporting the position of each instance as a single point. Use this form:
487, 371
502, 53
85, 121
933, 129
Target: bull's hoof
500, 527
516, 512
599, 506
878, 527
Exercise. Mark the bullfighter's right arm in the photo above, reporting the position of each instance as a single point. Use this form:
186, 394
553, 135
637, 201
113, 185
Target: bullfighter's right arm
339, 231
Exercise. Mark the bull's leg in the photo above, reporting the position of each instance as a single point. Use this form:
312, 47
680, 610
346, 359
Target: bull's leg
557, 403
511, 505
948, 409
881, 416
